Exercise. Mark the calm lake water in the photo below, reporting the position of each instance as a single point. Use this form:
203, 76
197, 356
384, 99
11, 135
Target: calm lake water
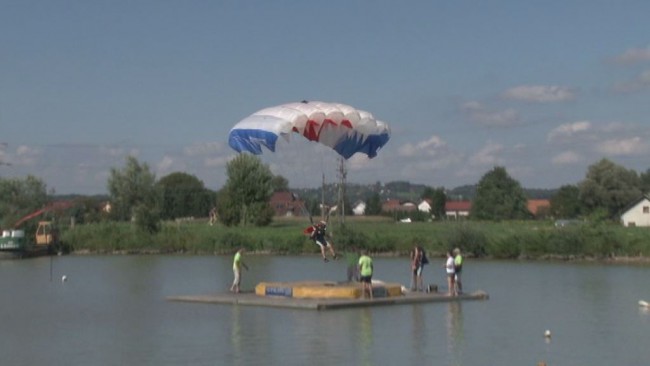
112, 310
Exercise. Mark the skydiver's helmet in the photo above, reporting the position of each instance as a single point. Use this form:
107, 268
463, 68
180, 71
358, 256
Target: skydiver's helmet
322, 224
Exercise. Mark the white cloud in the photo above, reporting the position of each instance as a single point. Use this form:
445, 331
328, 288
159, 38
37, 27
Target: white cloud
120, 151
624, 147
204, 148
165, 164
218, 161
640, 82
634, 55
568, 130
25, 155
566, 157
480, 114
540, 93
430, 147
357, 162
488, 155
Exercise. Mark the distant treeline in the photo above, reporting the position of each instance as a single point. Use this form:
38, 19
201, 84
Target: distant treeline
405, 191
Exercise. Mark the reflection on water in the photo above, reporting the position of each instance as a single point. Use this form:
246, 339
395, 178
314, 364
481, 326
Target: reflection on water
366, 344
419, 325
236, 336
455, 335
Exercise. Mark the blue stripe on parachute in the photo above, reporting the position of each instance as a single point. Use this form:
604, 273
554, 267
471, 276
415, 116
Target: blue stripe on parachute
355, 143
252, 140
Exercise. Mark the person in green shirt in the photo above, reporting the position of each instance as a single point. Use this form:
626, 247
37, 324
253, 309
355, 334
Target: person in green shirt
365, 270
237, 265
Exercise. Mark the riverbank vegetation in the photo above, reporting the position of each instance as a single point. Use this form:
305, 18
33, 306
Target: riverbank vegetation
142, 214
379, 235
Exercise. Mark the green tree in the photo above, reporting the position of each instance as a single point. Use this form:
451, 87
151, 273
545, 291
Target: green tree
499, 197
373, 206
610, 187
279, 183
134, 196
87, 210
645, 182
184, 195
245, 197
566, 202
438, 198
20, 197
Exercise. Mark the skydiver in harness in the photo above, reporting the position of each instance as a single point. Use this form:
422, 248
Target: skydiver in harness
319, 236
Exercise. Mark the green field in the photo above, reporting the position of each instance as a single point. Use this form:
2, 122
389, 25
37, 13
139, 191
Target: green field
379, 235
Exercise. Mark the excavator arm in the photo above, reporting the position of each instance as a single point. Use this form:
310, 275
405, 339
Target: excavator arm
54, 206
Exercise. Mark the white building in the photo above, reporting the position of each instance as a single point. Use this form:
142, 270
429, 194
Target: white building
425, 206
637, 213
359, 208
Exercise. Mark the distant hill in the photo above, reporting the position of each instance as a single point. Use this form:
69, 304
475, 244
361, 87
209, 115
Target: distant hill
401, 190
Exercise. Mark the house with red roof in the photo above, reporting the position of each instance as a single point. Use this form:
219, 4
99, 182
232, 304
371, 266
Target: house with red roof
286, 204
539, 207
457, 209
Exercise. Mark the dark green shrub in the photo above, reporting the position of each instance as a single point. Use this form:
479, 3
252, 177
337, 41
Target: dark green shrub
533, 244
508, 248
347, 238
567, 241
231, 241
469, 240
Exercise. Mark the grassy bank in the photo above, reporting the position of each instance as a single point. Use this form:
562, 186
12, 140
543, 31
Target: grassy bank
520, 239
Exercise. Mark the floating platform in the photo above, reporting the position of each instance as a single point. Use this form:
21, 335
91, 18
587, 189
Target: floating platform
325, 289
314, 295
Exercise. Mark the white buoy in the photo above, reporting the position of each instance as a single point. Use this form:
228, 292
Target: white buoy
547, 333
644, 304
64, 278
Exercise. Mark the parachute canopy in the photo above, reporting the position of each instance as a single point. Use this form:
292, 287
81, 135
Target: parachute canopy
343, 128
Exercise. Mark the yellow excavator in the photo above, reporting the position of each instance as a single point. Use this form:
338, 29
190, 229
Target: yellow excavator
46, 239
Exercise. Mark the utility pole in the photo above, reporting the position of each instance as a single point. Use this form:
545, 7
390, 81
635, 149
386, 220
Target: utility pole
341, 191
3, 146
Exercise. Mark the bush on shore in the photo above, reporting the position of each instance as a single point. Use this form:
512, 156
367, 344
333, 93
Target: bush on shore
503, 240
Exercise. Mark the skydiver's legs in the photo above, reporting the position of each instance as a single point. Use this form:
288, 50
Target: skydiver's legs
322, 251
332, 252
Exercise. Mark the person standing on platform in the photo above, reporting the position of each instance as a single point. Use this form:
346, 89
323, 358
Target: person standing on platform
458, 268
237, 265
416, 269
365, 270
449, 268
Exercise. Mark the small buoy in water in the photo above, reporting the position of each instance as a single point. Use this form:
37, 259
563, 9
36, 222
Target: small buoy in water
644, 304
547, 333
64, 278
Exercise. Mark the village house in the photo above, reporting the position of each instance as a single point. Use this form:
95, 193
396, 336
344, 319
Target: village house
395, 205
637, 213
539, 208
359, 208
457, 209
286, 204
425, 205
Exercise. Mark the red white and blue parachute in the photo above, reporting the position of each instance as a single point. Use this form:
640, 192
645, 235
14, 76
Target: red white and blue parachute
343, 128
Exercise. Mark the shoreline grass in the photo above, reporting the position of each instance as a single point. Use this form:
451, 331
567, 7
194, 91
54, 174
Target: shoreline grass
378, 235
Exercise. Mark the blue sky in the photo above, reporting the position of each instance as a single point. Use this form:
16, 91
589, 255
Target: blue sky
543, 88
